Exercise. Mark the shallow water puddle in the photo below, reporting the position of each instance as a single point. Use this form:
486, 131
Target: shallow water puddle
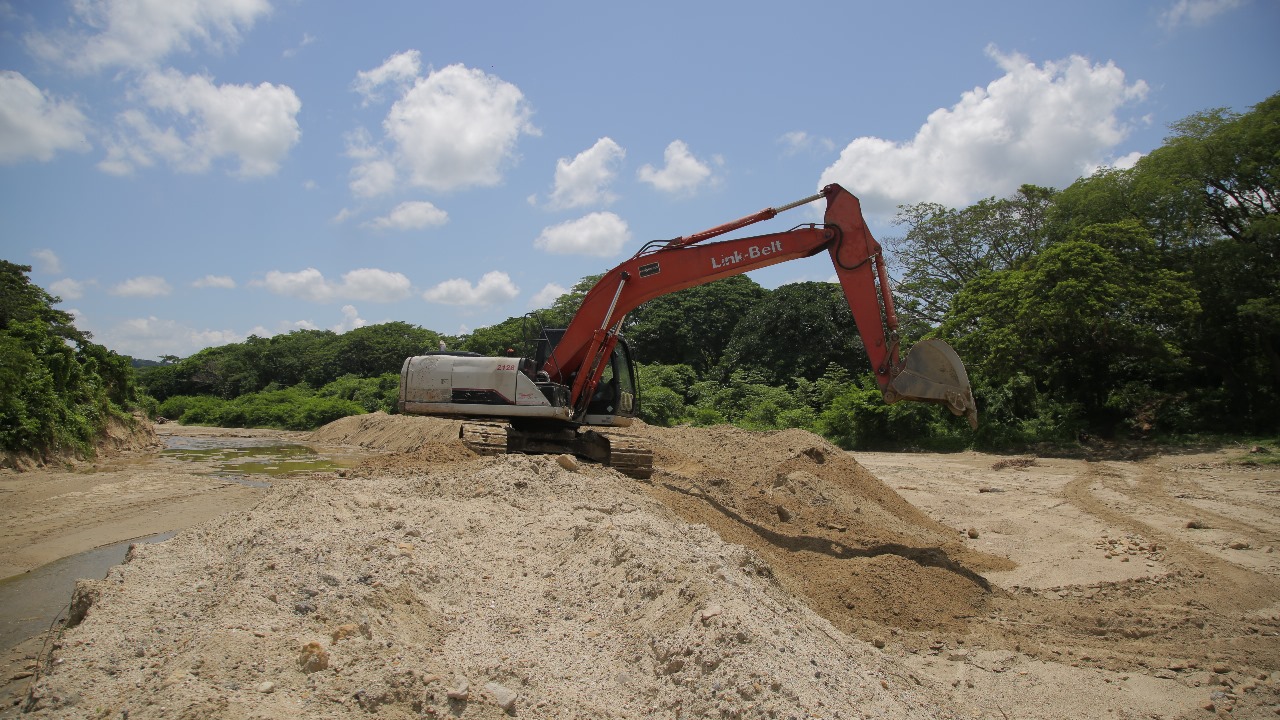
238, 458
31, 601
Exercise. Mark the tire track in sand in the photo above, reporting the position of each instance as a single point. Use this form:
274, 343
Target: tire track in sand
1218, 582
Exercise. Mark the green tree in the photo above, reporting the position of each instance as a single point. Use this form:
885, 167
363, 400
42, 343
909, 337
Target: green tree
1208, 197
1227, 161
516, 333
944, 248
858, 419
60, 389
298, 356
374, 350
796, 331
1091, 320
694, 326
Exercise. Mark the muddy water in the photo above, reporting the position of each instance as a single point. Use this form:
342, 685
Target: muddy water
27, 601
249, 461
32, 601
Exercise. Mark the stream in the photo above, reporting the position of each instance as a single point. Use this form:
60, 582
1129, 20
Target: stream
31, 602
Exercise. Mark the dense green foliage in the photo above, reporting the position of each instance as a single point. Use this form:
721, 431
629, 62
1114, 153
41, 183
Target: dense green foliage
795, 332
295, 408
1135, 302
693, 327
59, 388
313, 357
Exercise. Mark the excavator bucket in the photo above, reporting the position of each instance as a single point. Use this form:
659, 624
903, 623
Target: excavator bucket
933, 372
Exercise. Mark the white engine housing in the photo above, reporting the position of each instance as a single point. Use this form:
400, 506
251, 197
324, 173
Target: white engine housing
469, 385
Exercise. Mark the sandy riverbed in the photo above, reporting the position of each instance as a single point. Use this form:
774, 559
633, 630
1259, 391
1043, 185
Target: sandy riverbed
755, 575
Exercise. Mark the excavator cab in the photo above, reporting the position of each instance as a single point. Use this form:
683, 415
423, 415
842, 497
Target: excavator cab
616, 397
616, 400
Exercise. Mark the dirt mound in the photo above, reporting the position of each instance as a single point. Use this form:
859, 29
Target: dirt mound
411, 441
854, 549
393, 433
484, 588
860, 554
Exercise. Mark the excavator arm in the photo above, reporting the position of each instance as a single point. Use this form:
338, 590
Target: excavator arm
932, 372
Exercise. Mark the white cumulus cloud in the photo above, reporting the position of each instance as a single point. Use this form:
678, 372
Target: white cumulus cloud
493, 288
1195, 12
153, 337
600, 234
350, 320
400, 69
369, 284
215, 281
47, 261
682, 171
374, 285
373, 177
585, 179
256, 125
1039, 124
142, 286
798, 141
68, 289
455, 128
34, 125
547, 295
411, 215
138, 33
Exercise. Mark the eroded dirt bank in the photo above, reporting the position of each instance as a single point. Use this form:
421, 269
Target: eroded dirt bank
755, 575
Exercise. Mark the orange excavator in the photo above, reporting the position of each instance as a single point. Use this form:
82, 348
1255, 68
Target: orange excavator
584, 376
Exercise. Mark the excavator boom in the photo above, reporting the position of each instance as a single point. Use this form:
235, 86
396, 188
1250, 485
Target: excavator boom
936, 375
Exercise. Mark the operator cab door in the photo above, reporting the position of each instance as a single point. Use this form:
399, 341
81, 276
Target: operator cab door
616, 400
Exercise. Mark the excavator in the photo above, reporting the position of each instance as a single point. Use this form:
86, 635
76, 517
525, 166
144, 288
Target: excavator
583, 376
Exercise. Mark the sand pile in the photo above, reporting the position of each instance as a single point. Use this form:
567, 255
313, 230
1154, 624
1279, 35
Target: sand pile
840, 538
741, 581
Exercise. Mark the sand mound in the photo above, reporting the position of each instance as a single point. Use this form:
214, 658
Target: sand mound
854, 549
393, 433
484, 588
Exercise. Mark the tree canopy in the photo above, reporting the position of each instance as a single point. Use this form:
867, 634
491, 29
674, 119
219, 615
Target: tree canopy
60, 389
694, 326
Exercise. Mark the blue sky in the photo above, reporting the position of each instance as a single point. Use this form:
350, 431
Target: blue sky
185, 173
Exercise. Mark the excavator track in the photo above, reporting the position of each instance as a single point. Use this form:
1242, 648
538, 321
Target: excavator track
484, 439
631, 457
628, 455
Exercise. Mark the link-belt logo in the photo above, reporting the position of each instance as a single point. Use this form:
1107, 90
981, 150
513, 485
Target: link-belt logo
753, 252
